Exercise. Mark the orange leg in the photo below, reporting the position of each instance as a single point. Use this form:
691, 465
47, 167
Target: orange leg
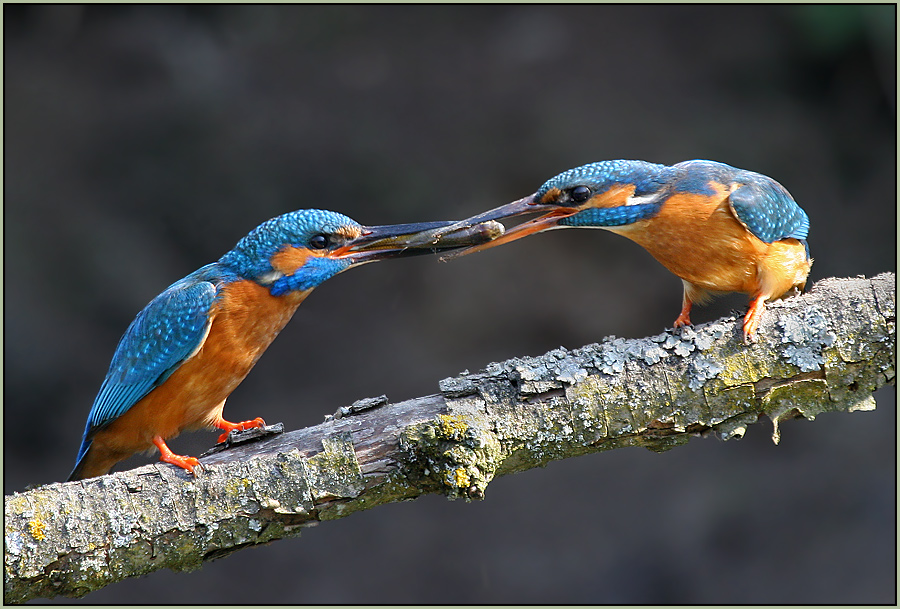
167, 456
684, 318
754, 314
229, 426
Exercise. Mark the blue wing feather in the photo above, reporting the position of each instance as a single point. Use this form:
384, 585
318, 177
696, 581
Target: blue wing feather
768, 211
760, 203
162, 336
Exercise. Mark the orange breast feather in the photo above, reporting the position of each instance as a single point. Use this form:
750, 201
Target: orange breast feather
698, 239
245, 320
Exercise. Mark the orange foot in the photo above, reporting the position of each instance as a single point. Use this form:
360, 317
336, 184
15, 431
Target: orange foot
167, 456
229, 426
752, 318
684, 318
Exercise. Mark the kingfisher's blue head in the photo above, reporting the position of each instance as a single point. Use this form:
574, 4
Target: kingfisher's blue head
575, 187
301, 249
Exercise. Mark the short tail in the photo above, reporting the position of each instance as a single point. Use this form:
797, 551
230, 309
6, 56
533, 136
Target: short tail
78, 472
93, 463
93, 460
81, 462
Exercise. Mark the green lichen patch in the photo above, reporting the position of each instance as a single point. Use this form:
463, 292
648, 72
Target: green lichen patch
726, 403
334, 472
805, 398
662, 444
586, 398
740, 368
394, 487
736, 426
843, 378
449, 455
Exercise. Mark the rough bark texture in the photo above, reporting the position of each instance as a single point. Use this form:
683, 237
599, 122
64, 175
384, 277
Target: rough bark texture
827, 350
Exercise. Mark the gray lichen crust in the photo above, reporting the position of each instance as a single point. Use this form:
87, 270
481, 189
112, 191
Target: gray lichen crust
827, 350
77, 537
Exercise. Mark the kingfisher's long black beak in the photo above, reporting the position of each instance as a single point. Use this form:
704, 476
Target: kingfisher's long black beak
526, 205
402, 240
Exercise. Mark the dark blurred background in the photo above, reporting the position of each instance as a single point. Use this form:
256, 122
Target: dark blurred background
143, 141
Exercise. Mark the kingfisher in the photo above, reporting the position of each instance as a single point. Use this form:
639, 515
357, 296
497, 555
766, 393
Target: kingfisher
192, 345
718, 228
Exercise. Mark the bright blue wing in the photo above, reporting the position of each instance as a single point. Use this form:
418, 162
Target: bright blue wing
768, 210
160, 338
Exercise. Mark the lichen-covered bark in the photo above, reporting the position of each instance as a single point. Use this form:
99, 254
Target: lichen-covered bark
827, 350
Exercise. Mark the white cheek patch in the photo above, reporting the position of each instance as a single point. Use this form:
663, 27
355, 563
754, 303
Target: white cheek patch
270, 277
633, 200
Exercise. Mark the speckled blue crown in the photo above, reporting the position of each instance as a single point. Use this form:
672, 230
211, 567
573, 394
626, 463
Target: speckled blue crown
251, 257
647, 177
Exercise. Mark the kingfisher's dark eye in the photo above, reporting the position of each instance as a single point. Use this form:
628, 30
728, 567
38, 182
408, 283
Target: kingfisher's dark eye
580, 194
318, 242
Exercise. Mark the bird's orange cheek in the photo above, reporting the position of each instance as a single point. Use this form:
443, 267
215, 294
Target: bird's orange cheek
289, 259
615, 196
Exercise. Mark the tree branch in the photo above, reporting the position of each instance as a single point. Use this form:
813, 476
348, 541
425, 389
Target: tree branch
827, 350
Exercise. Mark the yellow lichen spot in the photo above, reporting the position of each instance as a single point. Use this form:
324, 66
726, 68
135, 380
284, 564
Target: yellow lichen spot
461, 478
452, 426
236, 486
36, 528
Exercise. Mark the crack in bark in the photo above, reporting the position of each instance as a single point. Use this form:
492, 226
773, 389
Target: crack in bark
764, 385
